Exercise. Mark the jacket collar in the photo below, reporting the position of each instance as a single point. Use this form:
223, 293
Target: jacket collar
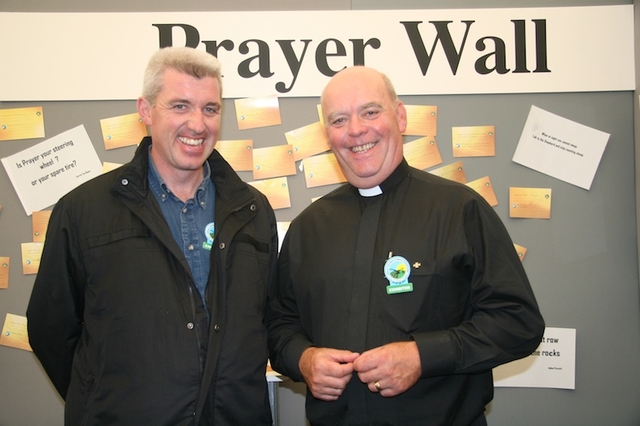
230, 189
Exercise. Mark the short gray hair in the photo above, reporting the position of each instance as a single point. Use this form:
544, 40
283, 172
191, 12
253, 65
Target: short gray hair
187, 60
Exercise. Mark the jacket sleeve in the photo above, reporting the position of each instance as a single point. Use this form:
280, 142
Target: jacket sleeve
503, 322
54, 313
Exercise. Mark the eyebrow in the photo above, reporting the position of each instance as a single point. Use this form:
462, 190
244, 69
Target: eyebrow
371, 105
188, 102
361, 108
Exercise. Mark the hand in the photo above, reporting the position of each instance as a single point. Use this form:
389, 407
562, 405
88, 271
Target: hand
394, 367
326, 371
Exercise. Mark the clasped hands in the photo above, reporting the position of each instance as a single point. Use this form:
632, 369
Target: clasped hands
389, 369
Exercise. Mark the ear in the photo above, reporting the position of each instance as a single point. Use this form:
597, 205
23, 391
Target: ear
144, 110
401, 116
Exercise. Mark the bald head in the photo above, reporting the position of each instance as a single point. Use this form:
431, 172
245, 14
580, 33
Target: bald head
359, 73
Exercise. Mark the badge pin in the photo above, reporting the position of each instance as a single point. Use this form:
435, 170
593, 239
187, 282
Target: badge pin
397, 270
209, 233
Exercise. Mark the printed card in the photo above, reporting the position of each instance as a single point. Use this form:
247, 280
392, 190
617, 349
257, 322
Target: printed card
308, 140
31, 254
39, 224
530, 203
454, 171
474, 141
273, 161
483, 187
121, 131
422, 153
551, 365
522, 251
322, 170
257, 112
422, 120
238, 153
21, 123
14, 332
276, 190
4, 272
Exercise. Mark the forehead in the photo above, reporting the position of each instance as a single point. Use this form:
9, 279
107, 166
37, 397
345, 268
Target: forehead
175, 82
354, 92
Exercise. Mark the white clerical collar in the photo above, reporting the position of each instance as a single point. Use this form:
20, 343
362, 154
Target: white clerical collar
370, 192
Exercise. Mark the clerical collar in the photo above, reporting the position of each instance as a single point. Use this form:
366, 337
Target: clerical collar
398, 174
370, 192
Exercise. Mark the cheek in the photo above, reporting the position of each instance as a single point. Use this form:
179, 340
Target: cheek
213, 124
334, 138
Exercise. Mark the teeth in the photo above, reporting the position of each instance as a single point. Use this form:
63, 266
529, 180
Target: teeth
362, 148
192, 142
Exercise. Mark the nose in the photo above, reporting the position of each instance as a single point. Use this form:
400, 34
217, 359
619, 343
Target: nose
356, 126
196, 121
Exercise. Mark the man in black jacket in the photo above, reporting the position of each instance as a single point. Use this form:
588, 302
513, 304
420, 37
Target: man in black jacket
399, 291
149, 302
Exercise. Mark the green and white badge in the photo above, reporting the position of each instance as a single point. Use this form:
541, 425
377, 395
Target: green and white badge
397, 271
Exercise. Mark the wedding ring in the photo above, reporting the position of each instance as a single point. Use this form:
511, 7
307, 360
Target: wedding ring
377, 385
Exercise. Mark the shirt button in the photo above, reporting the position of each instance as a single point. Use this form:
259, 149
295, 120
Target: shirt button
190, 325
190, 247
216, 327
184, 210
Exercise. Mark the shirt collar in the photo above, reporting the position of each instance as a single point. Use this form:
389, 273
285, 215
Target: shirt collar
163, 192
394, 178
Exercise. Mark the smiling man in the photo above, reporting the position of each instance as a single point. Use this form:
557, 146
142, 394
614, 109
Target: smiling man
399, 291
148, 307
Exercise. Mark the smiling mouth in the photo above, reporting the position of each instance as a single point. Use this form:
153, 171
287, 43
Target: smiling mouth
360, 149
191, 142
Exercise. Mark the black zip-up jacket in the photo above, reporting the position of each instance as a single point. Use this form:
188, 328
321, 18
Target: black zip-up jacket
118, 324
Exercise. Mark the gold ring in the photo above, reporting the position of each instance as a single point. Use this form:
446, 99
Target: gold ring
377, 384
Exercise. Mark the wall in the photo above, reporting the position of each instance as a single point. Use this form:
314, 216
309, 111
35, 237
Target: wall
583, 263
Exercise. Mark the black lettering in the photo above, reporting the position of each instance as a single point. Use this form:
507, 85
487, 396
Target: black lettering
443, 36
165, 32
499, 54
292, 60
541, 45
212, 46
264, 62
359, 46
521, 46
322, 54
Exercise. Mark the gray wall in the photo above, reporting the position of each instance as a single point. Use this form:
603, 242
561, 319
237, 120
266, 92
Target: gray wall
583, 263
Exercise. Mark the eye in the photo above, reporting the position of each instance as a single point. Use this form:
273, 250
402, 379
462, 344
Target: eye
212, 110
338, 121
371, 113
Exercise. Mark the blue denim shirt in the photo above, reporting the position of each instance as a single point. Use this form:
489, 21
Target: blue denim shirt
191, 222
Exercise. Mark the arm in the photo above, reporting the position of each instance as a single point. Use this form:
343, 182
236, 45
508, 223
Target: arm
326, 371
55, 309
503, 323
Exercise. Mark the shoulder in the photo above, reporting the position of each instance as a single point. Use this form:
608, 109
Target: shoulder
439, 186
336, 200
